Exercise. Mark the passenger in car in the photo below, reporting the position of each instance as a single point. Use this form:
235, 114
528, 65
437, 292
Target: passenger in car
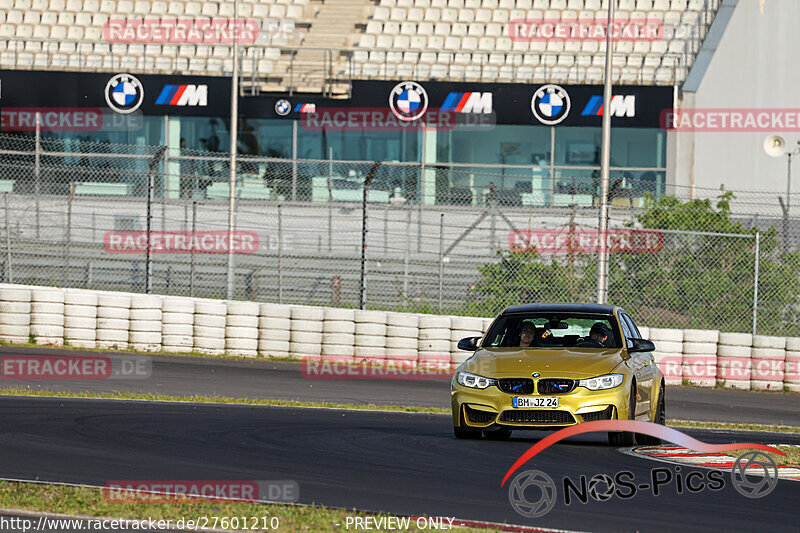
527, 335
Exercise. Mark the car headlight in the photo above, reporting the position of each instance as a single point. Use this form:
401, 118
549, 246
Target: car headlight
609, 381
474, 381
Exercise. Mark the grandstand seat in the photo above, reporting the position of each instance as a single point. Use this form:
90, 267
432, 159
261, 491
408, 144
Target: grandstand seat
435, 42
415, 15
466, 15
432, 29
83, 19
500, 16
475, 29
494, 30
524, 73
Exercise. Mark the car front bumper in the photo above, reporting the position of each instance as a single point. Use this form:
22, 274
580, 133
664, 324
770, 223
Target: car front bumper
491, 408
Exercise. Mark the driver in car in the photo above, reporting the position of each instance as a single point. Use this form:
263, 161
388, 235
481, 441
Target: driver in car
527, 334
597, 337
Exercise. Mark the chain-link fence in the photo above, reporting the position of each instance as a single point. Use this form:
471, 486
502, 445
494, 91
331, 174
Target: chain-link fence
439, 239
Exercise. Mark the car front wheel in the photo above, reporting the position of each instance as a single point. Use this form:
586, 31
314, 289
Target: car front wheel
660, 419
497, 434
464, 432
625, 438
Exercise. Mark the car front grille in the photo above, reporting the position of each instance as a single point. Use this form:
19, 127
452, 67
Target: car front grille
537, 416
556, 386
478, 417
516, 385
605, 414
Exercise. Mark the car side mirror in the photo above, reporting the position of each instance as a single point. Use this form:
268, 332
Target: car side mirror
469, 344
641, 345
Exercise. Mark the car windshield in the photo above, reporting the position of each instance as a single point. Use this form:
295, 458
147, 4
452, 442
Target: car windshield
548, 330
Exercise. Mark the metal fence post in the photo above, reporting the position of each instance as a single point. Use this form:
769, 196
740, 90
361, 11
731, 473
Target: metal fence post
441, 259
406, 257
420, 200
362, 298
280, 256
37, 167
9, 275
69, 233
294, 160
191, 259
386, 230
147, 263
151, 177
755, 284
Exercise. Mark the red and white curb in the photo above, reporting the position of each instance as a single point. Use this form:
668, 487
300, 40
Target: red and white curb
716, 461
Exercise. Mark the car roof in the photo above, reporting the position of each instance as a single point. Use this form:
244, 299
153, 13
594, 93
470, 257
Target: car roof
560, 308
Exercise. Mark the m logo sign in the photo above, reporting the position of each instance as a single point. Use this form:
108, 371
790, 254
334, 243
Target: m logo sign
183, 95
479, 103
621, 106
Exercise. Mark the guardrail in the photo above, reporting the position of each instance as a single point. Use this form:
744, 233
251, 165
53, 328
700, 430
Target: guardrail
115, 320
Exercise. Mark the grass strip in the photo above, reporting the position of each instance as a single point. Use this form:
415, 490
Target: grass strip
732, 425
118, 395
792, 457
90, 501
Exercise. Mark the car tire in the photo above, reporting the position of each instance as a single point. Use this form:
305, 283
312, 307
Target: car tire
497, 434
660, 419
463, 432
625, 438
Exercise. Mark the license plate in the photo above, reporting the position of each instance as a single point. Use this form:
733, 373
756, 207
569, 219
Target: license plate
537, 402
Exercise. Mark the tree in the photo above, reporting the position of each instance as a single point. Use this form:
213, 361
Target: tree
703, 277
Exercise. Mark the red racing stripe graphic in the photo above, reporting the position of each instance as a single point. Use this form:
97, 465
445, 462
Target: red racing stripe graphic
178, 94
634, 426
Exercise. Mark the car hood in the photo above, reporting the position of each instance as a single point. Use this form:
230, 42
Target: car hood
573, 363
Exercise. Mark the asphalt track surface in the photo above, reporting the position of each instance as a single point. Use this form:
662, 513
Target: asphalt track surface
400, 463
264, 379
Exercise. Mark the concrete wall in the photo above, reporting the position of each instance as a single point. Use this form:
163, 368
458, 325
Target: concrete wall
113, 320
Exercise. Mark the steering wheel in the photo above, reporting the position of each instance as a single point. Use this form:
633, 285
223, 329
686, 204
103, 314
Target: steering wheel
589, 343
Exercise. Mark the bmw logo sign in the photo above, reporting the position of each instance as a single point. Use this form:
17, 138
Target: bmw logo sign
282, 107
124, 93
408, 100
536, 374
550, 104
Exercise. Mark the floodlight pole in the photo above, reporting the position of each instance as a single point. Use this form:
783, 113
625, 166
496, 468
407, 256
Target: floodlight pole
602, 253
234, 132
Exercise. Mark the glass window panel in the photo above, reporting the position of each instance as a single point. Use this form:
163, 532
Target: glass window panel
504, 144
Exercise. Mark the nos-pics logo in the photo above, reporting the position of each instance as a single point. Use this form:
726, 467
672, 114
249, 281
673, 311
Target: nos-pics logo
124, 93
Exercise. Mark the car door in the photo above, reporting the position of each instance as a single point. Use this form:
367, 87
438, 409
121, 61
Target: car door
645, 361
640, 365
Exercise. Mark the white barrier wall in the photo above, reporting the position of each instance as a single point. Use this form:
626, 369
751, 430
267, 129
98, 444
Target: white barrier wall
110, 320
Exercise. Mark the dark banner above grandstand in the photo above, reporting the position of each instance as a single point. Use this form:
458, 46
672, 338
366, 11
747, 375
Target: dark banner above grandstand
515, 103
122, 93
436, 105
500, 103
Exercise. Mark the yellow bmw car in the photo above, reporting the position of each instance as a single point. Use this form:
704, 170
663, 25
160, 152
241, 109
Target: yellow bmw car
548, 366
